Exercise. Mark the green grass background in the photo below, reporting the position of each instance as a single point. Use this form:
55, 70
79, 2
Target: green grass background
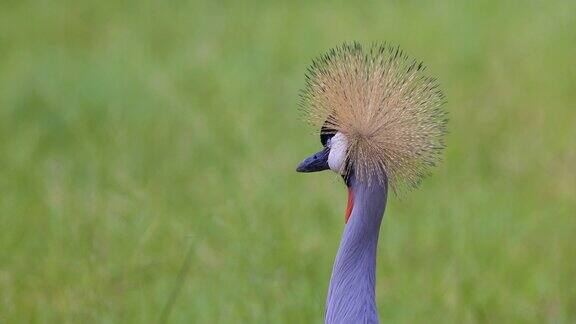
134, 133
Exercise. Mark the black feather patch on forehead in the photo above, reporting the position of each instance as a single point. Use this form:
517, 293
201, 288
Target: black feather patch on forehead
326, 132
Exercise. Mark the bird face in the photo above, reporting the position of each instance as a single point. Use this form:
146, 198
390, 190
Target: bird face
332, 156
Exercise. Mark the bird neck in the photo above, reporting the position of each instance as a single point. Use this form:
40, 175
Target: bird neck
351, 295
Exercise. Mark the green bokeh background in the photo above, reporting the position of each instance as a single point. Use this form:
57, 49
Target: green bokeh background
136, 134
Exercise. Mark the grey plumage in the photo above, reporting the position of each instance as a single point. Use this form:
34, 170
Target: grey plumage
351, 293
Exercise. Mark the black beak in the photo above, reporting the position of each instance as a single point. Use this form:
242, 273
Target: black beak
316, 162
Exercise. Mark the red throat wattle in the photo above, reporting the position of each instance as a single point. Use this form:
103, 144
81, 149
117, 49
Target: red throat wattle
350, 205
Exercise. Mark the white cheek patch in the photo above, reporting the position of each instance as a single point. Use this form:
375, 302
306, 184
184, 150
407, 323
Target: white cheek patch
337, 156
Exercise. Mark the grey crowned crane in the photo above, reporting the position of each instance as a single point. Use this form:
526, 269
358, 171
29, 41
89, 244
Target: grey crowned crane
382, 125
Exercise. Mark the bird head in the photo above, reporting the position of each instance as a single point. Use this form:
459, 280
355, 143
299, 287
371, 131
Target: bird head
379, 114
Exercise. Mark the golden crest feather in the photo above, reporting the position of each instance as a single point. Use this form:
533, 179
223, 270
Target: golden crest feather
389, 109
